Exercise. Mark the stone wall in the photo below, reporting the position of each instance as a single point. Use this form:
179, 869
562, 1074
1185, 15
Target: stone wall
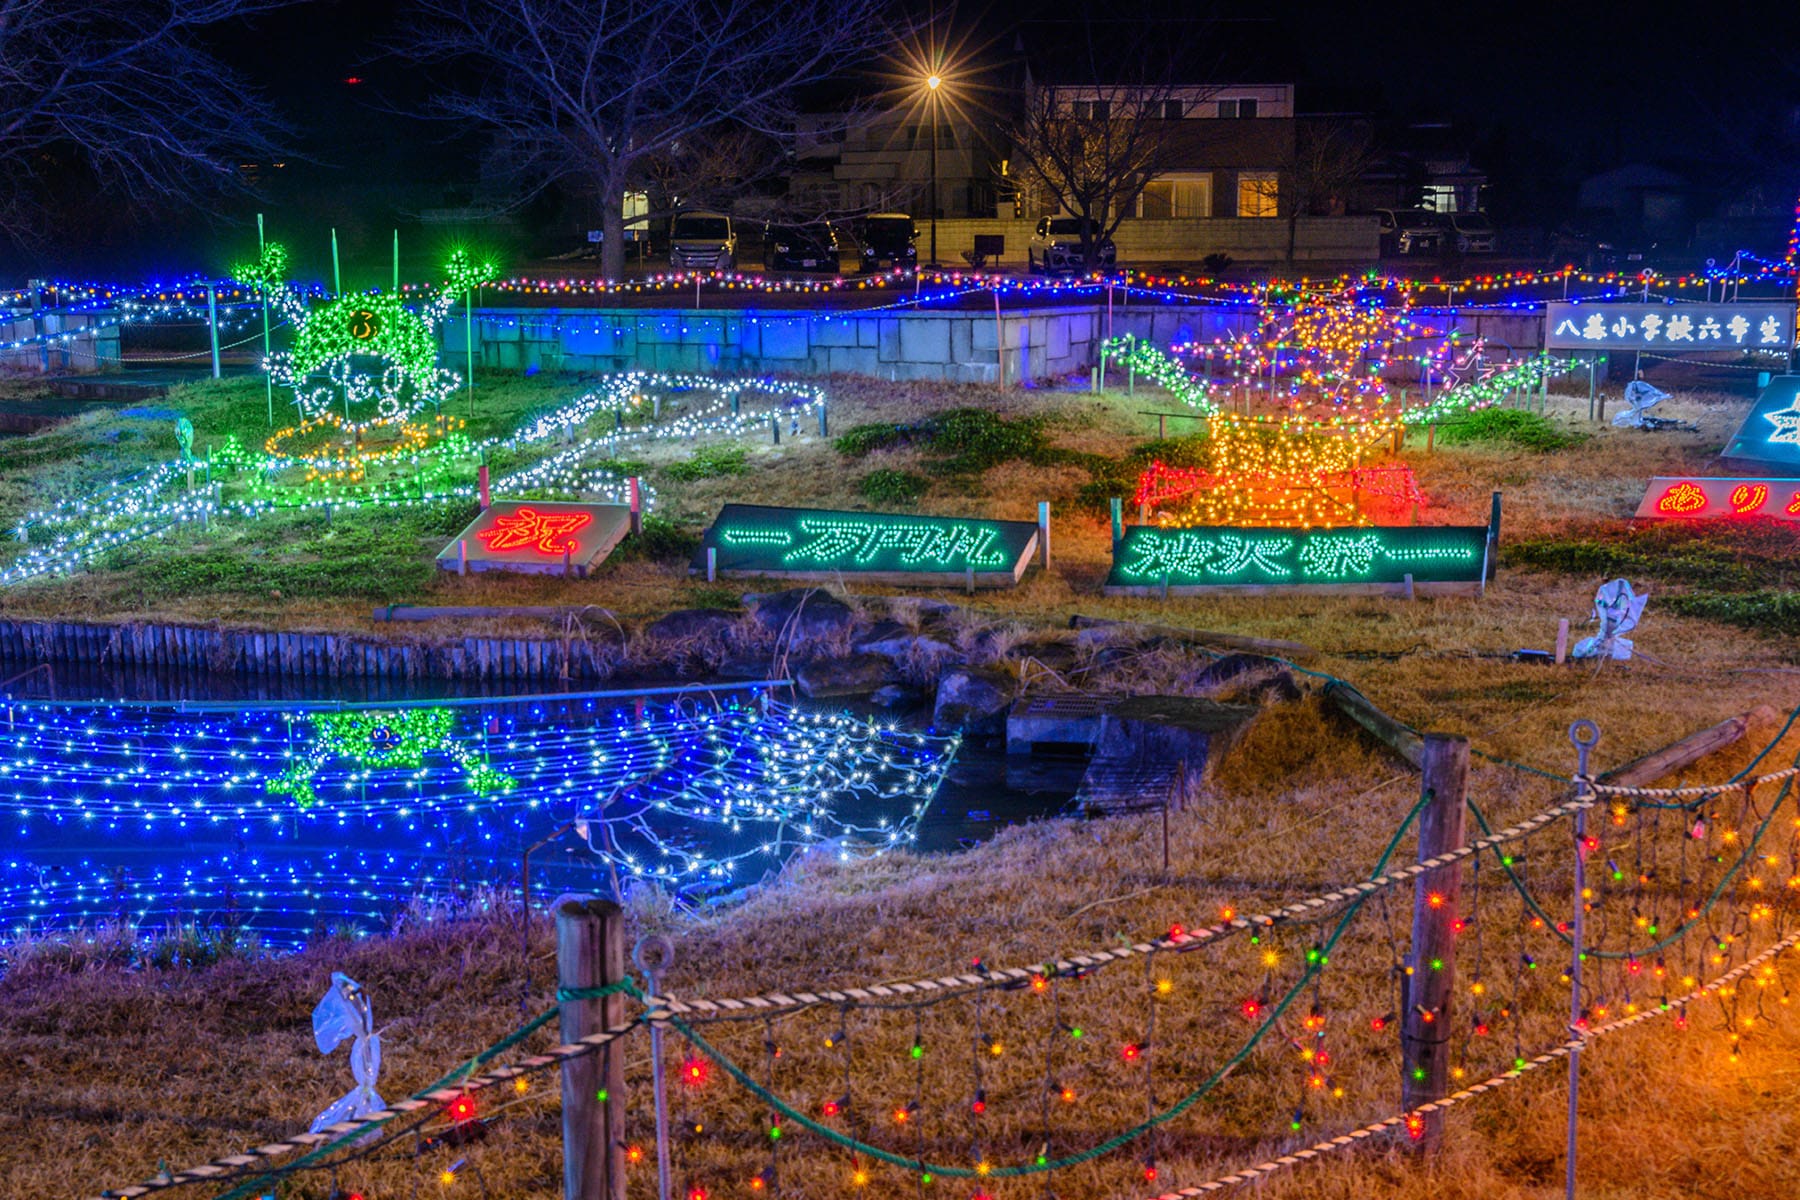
952, 346
955, 346
1179, 240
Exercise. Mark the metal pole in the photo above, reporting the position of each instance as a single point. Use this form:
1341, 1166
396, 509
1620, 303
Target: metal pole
1585, 735
212, 323
1000, 339
337, 279
934, 193
1044, 531
590, 953
653, 955
469, 342
263, 288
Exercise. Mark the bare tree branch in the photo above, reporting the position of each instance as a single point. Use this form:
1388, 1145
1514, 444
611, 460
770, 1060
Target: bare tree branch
615, 96
123, 94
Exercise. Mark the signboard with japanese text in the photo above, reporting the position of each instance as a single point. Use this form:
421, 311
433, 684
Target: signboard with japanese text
541, 536
1377, 559
1771, 433
815, 543
1671, 328
1692, 497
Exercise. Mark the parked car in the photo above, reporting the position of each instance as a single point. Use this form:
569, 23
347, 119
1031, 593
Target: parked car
1475, 234
1599, 241
887, 238
800, 248
1055, 247
702, 241
1411, 231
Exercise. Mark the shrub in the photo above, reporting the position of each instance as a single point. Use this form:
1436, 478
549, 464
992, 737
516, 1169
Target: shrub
1766, 611
1509, 426
859, 441
976, 439
662, 540
709, 462
892, 487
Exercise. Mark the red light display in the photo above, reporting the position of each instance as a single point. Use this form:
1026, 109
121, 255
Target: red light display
545, 532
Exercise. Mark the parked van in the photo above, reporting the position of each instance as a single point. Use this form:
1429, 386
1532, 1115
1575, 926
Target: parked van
702, 241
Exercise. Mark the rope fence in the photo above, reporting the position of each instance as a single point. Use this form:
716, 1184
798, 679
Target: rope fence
808, 1084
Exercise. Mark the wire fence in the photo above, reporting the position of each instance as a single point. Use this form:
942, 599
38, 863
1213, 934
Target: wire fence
1273, 1038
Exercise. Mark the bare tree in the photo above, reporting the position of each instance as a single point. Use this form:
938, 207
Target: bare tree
1330, 159
1092, 133
123, 94
606, 95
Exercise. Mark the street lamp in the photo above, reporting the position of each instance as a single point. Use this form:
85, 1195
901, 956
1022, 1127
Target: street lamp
932, 83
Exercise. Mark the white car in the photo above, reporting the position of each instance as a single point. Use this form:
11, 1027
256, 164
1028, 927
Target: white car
702, 241
1474, 233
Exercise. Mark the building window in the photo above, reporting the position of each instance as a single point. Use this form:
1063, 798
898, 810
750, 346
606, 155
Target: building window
1173, 110
1259, 194
1440, 197
1186, 196
1092, 110
1237, 108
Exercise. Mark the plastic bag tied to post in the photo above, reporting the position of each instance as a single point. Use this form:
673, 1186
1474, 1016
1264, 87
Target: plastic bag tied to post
343, 1014
1617, 609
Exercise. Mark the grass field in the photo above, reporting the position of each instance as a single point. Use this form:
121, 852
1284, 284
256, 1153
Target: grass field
119, 1067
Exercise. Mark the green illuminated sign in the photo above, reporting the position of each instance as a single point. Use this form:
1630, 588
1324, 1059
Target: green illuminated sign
1150, 557
753, 539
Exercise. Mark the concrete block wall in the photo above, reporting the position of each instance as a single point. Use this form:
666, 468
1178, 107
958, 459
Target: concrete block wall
1143, 240
956, 347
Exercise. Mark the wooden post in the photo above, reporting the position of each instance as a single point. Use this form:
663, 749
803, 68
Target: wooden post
1118, 521
1491, 555
590, 953
775, 429
1162, 427
1044, 532
637, 505
712, 563
462, 556
1425, 1038
481, 485
1562, 641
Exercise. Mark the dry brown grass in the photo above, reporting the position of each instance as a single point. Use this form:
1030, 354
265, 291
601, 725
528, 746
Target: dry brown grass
113, 1071
116, 1070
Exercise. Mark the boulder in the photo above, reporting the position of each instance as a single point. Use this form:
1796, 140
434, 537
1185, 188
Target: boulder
746, 666
894, 640
895, 695
1274, 682
853, 675
685, 623
806, 614
972, 699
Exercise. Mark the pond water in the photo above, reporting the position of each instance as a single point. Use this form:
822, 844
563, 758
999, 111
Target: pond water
296, 809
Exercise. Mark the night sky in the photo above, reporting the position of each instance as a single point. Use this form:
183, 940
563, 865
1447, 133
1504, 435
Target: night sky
1542, 94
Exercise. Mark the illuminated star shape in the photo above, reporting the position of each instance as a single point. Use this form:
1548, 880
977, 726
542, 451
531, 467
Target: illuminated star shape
1787, 424
542, 531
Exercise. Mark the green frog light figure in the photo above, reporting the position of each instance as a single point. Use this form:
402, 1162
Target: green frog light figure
335, 343
383, 740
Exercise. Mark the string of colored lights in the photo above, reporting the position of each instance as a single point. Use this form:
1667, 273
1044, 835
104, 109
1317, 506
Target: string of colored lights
78, 531
689, 795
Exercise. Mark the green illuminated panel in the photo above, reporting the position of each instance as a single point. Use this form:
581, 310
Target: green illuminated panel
753, 539
1232, 557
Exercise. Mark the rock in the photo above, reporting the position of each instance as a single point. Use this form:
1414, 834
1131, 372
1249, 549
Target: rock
855, 675
746, 666
894, 640
972, 699
896, 695
1228, 668
805, 614
686, 623
1276, 684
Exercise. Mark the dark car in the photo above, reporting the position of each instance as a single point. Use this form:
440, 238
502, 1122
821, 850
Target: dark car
887, 238
1055, 247
800, 248
1596, 240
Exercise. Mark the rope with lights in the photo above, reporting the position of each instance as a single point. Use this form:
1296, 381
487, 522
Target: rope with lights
1409, 1119
668, 1008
